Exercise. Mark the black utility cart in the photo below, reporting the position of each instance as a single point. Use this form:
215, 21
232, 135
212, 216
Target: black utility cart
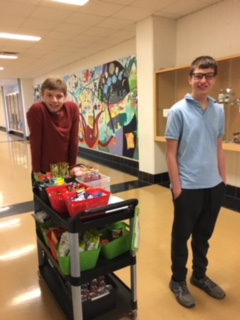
122, 300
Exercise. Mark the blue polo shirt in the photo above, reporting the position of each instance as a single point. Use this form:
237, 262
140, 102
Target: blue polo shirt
197, 131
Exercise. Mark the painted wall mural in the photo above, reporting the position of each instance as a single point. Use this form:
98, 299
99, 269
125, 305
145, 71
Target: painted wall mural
107, 98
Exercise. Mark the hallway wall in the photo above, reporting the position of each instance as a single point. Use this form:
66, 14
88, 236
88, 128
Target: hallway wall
124, 49
213, 31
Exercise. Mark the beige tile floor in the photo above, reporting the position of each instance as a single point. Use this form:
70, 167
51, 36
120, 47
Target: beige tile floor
25, 296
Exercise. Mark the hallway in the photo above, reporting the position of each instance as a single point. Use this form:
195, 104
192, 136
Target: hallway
25, 296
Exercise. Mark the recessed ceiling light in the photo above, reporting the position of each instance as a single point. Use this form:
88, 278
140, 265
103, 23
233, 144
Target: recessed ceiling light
76, 2
1, 68
13, 36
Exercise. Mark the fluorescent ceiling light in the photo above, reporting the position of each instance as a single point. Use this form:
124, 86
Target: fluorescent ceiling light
8, 56
13, 36
1, 68
76, 2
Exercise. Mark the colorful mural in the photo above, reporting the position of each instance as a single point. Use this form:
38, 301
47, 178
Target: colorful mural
107, 98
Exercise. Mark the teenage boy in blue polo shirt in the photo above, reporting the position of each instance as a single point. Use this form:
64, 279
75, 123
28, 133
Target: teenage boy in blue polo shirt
195, 159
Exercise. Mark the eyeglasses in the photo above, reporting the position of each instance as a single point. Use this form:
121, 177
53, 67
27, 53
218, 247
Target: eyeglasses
199, 76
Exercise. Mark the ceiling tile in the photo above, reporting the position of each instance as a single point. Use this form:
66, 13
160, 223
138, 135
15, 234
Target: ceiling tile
70, 33
80, 18
125, 2
67, 27
125, 33
113, 23
210, 1
48, 15
101, 8
16, 8
101, 32
184, 7
133, 14
155, 5
38, 24
13, 26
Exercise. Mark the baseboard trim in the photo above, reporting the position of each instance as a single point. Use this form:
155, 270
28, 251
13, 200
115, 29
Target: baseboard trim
118, 163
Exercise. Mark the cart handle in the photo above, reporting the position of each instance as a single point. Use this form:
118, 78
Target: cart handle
112, 208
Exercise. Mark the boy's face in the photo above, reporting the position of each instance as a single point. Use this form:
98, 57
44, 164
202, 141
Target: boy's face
202, 81
54, 99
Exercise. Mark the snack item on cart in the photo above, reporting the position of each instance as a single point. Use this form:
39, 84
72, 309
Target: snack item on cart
58, 181
85, 173
64, 244
104, 241
79, 170
82, 246
41, 216
76, 186
43, 177
59, 175
55, 234
92, 239
95, 289
60, 169
83, 194
117, 233
84, 292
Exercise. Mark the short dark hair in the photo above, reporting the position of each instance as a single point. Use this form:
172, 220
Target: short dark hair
203, 62
54, 84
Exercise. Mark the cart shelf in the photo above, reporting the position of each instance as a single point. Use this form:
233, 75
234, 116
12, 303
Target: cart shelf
62, 295
103, 265
67, 289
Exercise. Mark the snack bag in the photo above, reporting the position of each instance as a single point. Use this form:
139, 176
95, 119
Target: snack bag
92, 239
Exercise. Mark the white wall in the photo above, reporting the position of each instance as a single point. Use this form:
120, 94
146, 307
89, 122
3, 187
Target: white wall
27, 96
119, 51
155, 40
212, 31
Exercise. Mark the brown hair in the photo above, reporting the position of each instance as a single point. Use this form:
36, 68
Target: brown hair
54, 84
203, 62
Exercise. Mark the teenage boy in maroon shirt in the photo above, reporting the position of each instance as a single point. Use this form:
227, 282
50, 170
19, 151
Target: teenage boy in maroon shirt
54, 127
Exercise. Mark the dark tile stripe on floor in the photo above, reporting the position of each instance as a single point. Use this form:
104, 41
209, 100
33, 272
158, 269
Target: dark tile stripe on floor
116, 188
16, 209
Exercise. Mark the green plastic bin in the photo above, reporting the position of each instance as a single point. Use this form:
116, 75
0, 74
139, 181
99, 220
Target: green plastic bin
88, 260
117, 246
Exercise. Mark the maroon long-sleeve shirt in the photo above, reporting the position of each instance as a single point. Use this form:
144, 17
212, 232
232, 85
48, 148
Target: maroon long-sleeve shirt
53, 137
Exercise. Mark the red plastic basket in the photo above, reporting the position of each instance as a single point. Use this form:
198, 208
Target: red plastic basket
56, 198
77, 207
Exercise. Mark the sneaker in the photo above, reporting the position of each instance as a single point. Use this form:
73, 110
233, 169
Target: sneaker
182, 293
209, 287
